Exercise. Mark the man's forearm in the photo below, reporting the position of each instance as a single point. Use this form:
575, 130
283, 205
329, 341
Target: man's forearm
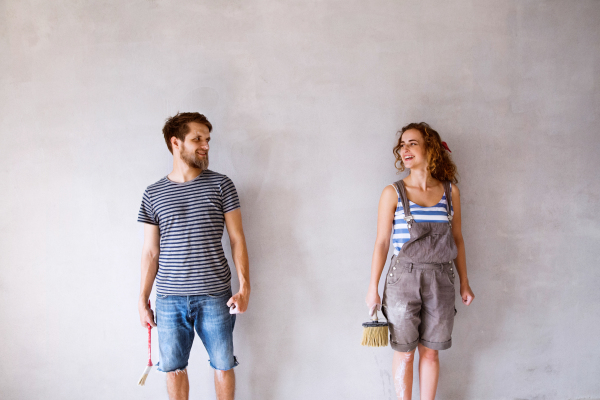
149, 270
240, 259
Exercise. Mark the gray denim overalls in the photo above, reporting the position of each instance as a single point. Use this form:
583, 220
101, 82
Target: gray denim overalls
418, 299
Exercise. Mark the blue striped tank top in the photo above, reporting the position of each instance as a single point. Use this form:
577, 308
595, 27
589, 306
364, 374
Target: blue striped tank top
435, 213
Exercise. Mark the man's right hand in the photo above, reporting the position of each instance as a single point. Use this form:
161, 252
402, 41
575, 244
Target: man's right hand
146, 315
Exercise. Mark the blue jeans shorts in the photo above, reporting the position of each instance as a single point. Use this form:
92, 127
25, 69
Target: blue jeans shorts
176, 319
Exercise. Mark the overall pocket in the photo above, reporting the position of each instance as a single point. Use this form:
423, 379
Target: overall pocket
448, 278
394, 273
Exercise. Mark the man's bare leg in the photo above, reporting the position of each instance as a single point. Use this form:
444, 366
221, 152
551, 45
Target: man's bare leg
178, 385
402, 368
225, 384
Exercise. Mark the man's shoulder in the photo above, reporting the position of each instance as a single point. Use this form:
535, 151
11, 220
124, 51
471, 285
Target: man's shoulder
157, 186
215, 177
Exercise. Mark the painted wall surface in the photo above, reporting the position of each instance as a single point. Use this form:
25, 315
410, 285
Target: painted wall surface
306, 98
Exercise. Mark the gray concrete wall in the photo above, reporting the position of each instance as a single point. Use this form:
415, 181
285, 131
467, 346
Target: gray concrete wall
305, 97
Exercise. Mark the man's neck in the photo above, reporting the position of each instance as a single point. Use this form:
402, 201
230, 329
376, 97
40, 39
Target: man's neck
182, 172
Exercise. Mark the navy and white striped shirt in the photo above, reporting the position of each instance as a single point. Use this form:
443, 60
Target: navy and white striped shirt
190, 217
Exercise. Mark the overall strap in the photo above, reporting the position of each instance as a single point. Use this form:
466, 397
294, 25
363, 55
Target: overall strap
405, 204
447, 190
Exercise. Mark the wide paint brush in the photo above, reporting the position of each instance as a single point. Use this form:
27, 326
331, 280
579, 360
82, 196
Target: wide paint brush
142, 380
375, 333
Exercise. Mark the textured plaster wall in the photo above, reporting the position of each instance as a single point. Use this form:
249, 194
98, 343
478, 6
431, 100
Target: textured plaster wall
305, 98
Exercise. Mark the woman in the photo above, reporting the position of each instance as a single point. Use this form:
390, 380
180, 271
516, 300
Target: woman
423, 211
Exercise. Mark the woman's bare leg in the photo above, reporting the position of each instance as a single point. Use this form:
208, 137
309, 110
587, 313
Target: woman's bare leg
429, 372
402, 368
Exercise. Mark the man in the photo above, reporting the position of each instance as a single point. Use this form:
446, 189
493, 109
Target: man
183, 216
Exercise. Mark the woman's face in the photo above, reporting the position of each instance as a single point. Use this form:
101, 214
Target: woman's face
412, 149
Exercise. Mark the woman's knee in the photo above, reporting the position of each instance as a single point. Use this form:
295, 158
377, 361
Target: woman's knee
428, 354
406, 357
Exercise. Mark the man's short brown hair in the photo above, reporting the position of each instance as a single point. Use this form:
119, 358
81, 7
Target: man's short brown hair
177, 126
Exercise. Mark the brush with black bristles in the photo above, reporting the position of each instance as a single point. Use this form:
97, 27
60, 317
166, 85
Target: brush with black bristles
375, 333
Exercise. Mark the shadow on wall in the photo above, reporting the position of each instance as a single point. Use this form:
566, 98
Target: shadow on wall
477, 328
278, 269
267, 337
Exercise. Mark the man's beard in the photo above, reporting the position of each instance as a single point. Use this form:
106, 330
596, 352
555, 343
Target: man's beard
192, 160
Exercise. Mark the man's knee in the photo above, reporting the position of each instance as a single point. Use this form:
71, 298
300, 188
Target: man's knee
220, 374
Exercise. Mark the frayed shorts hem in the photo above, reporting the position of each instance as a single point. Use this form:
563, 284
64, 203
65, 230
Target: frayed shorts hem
235, 364
176, 370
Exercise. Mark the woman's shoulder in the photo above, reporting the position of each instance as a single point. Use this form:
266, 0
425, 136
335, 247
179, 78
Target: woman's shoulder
390, 195
454, 189
390, 190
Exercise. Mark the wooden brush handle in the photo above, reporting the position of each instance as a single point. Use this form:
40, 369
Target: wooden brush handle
374, 317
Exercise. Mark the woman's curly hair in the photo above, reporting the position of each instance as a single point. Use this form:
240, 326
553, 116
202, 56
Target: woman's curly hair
439, 162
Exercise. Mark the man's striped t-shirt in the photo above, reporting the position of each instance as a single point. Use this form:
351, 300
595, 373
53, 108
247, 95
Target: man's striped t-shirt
190, 217
437, 213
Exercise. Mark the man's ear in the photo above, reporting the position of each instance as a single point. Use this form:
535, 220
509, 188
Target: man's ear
175, 143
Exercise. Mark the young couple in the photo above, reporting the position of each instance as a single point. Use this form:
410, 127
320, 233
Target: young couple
184, 215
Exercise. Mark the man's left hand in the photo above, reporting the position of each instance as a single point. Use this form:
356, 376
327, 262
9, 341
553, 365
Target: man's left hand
238, 303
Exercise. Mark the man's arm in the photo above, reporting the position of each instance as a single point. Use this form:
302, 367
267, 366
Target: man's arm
233, 222
150, 254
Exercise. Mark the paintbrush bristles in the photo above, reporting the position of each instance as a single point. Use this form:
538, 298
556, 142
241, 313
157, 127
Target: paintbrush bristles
375, 336
142, 380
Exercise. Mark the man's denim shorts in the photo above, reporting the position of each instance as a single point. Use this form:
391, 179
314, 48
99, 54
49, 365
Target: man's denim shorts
176, 318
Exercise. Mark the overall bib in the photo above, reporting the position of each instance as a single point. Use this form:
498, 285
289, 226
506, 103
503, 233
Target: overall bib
418, 299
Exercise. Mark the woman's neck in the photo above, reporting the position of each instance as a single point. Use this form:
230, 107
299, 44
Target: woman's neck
420, 178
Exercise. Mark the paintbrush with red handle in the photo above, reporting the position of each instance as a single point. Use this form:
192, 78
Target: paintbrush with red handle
142, 380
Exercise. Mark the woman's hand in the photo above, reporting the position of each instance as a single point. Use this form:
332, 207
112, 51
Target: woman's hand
373, 300
466, 293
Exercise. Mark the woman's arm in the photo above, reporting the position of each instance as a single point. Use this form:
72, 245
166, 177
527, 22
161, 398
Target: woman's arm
385, 223
460, 262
